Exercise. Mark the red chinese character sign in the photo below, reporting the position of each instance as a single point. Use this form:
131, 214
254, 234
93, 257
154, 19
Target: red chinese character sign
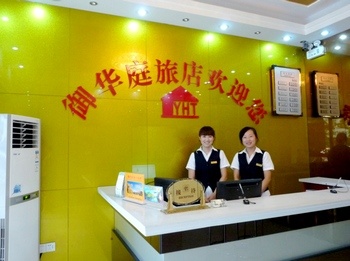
179, 103
79, 102
256, 111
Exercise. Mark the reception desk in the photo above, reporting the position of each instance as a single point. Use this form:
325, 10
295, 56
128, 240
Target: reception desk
136, 224
316, 183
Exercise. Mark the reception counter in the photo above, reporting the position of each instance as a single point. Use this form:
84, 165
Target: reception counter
136, 223
316, 183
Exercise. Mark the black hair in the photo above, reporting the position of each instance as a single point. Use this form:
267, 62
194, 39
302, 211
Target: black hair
244, 130
341, 138
206, 130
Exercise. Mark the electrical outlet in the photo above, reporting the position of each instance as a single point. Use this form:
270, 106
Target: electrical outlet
48, 247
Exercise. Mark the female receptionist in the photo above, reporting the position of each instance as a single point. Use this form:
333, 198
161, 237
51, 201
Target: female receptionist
252, 162
208, 164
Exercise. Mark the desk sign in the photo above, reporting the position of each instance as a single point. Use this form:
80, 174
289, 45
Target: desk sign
184, 193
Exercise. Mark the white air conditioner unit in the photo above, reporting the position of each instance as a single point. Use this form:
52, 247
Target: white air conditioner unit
19, 188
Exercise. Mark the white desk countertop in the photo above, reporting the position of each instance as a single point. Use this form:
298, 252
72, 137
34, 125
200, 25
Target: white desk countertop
150, 221
326, 181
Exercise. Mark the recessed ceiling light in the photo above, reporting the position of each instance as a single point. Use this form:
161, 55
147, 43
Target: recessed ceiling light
337, 47
186, 19
93, 3
324, 33
142, 12
224, 27
343, 37
287, 38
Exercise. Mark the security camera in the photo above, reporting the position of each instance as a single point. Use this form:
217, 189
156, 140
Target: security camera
306, 46
317, 43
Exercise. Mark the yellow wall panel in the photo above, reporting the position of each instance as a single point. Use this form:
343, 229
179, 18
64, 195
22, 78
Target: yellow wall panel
38, 64
103, 145
55, 223
90, 224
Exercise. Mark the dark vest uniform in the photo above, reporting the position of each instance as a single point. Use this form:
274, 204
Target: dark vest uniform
208, 172
253, 170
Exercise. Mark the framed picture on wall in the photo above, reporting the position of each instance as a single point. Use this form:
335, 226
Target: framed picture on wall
286, 91
325, 94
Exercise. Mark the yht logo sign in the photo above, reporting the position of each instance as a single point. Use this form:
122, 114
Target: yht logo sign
179, 103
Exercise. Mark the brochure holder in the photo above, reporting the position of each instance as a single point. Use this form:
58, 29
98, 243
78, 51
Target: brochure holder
119, 187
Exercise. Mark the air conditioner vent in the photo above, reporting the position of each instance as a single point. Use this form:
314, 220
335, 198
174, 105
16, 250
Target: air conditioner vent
2, 239
25, 134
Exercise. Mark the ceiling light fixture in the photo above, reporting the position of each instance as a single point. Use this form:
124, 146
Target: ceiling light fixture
287, 38
142, 12
93, 3
324, 33
224, 27
337, 47
257, 32
186, 19
343, 37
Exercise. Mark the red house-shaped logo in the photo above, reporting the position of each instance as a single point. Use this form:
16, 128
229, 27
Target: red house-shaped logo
179, 103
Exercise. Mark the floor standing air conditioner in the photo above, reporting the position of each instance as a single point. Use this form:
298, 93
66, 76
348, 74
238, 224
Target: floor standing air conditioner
19, 188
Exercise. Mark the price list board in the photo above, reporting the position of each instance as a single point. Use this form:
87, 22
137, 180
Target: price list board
286, 91
326, 91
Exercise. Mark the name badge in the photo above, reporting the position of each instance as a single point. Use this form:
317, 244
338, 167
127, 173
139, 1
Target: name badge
214, 162
258, 165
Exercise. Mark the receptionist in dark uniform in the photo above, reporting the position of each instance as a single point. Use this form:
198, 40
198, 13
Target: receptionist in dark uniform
252, 162
208, 164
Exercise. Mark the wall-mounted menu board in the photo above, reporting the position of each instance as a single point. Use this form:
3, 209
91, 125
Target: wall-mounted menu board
286, 91
325, 94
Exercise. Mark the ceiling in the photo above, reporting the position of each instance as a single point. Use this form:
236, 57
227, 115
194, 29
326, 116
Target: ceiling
302, 20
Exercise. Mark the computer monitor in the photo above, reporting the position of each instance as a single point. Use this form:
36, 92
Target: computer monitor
230, 190
165, 183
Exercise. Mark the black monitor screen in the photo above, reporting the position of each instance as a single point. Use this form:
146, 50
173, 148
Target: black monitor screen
230, 190
165, 183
